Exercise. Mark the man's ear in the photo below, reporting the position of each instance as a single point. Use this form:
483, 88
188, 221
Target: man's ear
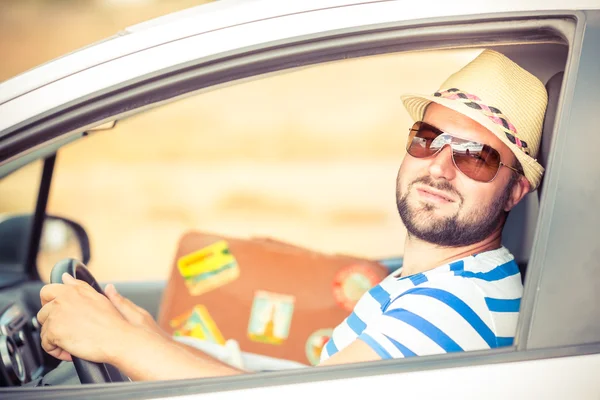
518, 191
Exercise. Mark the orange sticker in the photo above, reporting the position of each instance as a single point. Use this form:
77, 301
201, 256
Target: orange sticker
351, 283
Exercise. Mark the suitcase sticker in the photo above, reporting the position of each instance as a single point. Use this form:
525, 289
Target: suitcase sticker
208, 268
270, 317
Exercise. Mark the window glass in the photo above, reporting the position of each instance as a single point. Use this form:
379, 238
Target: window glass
18, 198
307, 156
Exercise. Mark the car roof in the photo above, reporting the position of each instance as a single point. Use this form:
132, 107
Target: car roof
226, 13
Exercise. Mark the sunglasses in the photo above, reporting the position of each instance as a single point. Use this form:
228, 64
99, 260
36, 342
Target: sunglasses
476, 160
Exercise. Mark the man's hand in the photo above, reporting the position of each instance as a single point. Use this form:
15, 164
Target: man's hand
78, 320
134, 314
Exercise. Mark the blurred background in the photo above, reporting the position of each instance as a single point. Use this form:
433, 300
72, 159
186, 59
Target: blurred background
35, 31
308, 156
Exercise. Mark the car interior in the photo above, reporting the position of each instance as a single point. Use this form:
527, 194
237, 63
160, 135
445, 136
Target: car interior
23, 362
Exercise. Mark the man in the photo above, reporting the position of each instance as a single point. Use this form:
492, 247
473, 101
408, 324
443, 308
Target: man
470, 161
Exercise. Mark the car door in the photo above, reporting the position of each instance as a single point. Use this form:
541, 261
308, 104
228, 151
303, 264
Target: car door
558, 334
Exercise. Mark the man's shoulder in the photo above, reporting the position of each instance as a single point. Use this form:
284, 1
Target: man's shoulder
497, 267
500, 257
447, 283
467, 286
489, 274
450, 294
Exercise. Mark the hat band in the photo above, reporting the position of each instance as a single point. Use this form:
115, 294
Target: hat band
493, 113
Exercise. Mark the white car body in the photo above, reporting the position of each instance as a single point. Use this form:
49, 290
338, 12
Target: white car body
211, 31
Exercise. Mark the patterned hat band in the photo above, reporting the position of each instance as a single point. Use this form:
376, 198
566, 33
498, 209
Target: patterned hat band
494, 114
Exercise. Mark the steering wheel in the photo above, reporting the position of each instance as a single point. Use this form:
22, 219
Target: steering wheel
88, 371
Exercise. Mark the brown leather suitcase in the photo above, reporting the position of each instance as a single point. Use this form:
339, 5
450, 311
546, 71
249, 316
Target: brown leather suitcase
273, 298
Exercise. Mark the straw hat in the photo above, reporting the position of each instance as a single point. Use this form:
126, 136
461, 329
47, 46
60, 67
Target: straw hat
501, 96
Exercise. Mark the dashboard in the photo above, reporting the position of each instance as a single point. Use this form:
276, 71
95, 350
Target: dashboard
21, 354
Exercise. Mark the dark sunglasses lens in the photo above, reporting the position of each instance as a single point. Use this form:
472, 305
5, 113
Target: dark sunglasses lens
420, 139
478, 164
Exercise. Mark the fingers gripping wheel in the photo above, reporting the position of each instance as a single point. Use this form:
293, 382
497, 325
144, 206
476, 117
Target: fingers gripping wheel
88, 372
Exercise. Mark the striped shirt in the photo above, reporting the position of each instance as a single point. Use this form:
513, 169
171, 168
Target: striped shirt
469, 304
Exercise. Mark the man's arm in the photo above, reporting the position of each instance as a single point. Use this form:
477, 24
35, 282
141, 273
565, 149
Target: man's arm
357, 351
147, 356
78, 320
141, 318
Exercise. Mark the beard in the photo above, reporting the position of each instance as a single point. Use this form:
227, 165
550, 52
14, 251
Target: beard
451, 231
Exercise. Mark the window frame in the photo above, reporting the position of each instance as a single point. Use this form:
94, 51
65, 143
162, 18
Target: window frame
39, 217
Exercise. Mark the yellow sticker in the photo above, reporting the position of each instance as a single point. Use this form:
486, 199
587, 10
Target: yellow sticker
270, 317
199, 324
208, 268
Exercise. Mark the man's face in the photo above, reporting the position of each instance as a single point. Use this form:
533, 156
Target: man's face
441, 205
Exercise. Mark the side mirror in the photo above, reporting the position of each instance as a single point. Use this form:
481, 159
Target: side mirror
61, 238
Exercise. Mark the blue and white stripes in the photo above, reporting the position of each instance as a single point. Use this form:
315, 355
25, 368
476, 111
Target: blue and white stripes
470, 304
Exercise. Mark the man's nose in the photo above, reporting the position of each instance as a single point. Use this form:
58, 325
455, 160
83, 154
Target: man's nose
442, 165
